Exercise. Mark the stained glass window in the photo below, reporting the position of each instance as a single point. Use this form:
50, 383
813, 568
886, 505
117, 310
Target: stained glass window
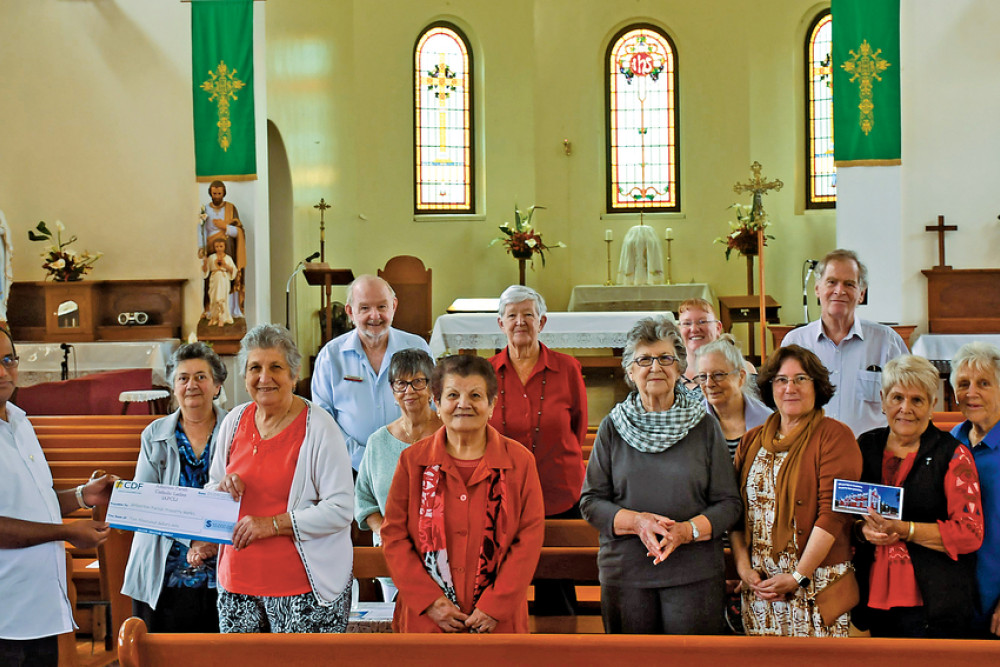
821, 174
642, 164
443, 137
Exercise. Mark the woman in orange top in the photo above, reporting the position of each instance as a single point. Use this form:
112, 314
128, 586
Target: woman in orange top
464, 520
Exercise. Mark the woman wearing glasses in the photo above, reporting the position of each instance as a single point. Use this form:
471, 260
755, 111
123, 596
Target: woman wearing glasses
661, 490
699, 326
728, 397
792, 545
409, 376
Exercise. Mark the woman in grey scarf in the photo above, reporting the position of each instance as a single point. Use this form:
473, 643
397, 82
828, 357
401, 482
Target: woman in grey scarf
661, 489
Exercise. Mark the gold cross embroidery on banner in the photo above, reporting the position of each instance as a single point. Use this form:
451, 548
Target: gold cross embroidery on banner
865, 67
222, 86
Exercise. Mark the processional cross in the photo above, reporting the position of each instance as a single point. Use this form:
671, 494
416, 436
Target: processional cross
442, 78
322, 206
758, 187
941, 228
222, 86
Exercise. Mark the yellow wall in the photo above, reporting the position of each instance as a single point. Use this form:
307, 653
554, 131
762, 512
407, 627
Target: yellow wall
96, 131
340, 92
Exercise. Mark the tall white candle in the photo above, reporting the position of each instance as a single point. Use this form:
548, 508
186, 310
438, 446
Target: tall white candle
669, 234
607, 235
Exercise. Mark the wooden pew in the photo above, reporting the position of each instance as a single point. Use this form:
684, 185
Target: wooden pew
137, 648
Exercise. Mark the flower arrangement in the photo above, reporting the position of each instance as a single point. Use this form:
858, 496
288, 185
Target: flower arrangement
521, 240
60, 261
742, 236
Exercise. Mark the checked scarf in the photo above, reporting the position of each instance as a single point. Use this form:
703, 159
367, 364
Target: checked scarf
655, 432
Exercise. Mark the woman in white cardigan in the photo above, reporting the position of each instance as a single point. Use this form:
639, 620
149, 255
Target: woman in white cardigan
168, 593
285, 460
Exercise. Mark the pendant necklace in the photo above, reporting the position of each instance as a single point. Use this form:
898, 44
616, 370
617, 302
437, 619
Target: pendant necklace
503, 407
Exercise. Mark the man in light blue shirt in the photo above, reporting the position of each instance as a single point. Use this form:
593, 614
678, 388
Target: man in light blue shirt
351, 378
854, 350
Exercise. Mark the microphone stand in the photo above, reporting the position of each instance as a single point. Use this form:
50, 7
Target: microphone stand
811, 263
64, 369
299, 268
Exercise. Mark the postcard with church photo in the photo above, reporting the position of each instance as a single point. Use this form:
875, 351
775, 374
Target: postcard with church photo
857, 497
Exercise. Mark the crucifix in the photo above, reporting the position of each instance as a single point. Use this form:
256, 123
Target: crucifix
759, 187
222, 86
322, 206
442, 78
941, 228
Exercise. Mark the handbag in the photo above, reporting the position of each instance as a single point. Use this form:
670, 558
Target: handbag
839, 596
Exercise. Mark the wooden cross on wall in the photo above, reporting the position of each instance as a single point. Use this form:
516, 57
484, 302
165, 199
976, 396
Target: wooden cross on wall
941, 228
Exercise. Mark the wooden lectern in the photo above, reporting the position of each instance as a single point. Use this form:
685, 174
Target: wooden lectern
320, 273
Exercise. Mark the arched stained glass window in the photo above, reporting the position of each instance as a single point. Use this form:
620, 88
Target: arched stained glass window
821, 174
443, 137
642, 162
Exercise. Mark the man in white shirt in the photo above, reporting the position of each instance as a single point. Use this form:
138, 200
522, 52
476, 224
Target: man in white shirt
32, 555
351, 376
854, 350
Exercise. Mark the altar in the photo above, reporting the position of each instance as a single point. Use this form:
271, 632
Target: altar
42, 362
604, 298
480, 331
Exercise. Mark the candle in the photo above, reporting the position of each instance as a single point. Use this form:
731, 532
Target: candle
607, 235
669, 234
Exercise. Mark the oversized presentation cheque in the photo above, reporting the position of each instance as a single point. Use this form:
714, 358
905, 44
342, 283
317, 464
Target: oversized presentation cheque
174, 511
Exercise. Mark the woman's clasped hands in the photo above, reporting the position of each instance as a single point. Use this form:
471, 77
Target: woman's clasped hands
660, 534
450, 618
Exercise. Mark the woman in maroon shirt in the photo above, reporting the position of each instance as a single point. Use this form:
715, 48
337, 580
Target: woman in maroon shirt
543, 405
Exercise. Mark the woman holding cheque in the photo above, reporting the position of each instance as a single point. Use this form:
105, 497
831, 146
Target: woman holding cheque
289, 567
173, 587
917, 575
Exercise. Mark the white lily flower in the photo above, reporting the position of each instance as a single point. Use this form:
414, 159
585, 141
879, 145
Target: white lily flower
60, 227
58, 264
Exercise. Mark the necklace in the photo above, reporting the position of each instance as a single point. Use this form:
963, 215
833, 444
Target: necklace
271, 431
503, 407
412, 437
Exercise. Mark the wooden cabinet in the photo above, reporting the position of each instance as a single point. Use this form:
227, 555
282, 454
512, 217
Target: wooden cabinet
88, 310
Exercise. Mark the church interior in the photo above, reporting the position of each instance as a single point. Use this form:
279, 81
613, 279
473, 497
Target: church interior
96, 132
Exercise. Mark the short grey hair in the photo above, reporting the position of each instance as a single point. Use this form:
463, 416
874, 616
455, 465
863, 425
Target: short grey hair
269, 337
410, 361
726, 347
979, 356
651, 330
517, 294
909, 370
197, 350
367, 277
843, 255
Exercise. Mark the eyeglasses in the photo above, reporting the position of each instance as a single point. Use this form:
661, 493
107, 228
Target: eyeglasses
702, 378
688, 324
418, 384
9, 361
781, 382
664, 360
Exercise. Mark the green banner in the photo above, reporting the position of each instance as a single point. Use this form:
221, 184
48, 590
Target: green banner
866, 66
222, 77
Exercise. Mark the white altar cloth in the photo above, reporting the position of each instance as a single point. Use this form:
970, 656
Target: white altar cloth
942, 347
42, 362
636, 297
480, 331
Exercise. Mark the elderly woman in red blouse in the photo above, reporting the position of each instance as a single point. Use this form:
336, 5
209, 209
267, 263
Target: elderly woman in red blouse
464, 520
530, 377
917, 574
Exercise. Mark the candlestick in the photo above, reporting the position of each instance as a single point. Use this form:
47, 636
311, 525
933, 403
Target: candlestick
669, 234
669, 241
607, 241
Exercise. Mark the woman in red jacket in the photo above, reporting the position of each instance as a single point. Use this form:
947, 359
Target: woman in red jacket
464, 520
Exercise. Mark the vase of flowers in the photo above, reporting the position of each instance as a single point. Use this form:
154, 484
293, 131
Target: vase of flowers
61, 262
521, 239
742, 236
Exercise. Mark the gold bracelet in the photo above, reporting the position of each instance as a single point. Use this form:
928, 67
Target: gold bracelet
909, 535
274, 522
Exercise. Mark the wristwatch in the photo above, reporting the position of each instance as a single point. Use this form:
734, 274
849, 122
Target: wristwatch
802, 579
695, 533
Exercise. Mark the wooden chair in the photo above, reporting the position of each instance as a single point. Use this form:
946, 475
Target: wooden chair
412, 284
